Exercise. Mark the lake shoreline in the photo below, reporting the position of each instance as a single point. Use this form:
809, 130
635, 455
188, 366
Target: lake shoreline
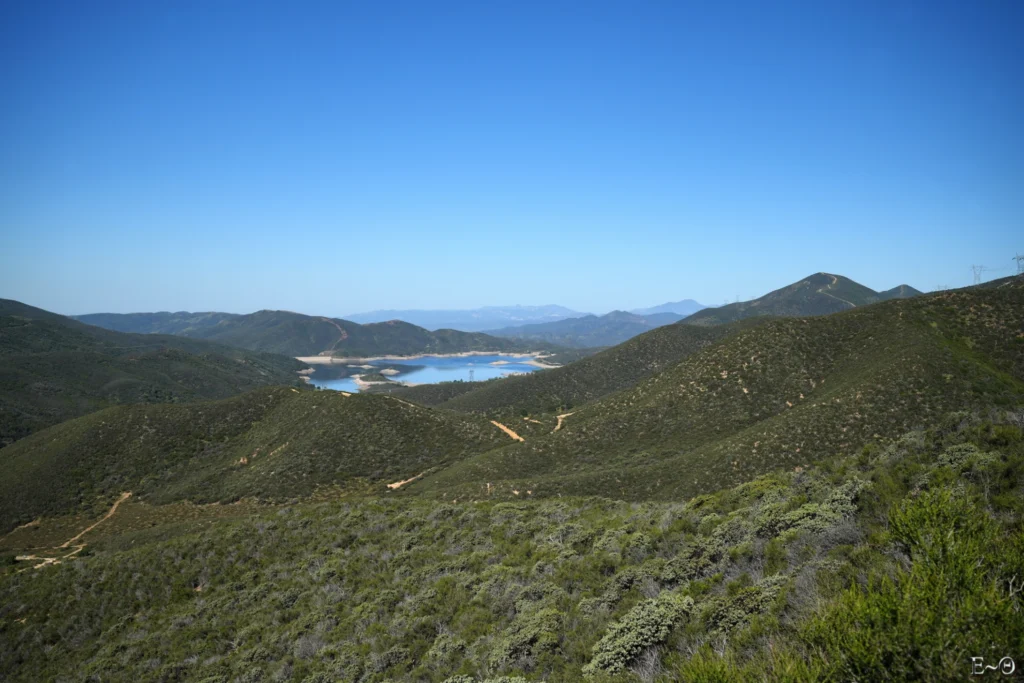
330, 360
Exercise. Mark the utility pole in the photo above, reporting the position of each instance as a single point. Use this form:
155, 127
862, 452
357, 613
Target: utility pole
977, 270
1020, 264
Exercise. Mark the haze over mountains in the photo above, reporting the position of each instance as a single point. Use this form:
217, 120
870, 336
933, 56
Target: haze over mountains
297, 334
818, 294
684, 308
471, 320
589, 331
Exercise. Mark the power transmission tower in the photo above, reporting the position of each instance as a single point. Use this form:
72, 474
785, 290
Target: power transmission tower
977, 270
1020, 263
471, 371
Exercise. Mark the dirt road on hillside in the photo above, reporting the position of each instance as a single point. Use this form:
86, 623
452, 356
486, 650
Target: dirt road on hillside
507, 430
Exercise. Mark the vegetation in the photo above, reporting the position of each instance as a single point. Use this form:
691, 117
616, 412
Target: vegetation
587, 379
53, 368
271, 444
590, 331
781, 393
865, 568
818, 294
295, 334
824, 498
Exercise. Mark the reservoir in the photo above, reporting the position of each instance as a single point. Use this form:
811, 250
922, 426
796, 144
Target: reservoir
434, 369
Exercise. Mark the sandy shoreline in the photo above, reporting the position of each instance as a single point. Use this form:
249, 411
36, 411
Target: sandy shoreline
329, 360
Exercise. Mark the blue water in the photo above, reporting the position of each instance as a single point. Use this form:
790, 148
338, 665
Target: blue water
436, 369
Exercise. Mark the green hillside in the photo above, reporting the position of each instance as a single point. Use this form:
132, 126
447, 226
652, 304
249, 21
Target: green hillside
591, 330
818, 294
275, 443
586, 379
180, 323
899, 563
295, 334
782, 393
53, 368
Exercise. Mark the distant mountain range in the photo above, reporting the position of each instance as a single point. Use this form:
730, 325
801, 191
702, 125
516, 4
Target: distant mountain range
296, 334
471, 320
590, 330
818, 294
683, 308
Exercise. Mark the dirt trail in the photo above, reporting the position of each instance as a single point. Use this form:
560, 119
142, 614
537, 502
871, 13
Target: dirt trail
400, 484
560, 418
835, 280
110, 513
344, 334
507, 430
411, 405
34, 522
48, 561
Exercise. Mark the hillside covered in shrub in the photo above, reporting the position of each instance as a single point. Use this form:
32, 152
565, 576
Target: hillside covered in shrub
874, 566
271, 444
784, 392
53, 368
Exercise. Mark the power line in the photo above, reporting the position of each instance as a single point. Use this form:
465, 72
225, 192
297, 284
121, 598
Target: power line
978, 270
1020, 263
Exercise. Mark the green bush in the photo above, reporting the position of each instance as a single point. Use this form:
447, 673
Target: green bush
646, 625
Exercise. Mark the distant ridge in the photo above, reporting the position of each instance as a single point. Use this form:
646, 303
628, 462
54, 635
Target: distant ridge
296, 334
684, 308
53, 368
591, 330
471, 320
899, 292
817, 294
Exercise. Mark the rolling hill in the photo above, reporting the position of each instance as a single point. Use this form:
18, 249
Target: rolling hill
589, 331
793, 499
274, 443
829, 573
295, 334
580, 382
782, 393
53, 368
818, 294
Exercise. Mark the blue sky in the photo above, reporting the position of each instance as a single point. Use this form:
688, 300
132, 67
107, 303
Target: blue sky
337, 157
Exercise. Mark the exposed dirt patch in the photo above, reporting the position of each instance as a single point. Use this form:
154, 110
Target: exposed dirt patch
507, 430
400, 484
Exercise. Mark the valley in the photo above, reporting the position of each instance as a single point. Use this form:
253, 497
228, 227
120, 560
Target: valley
729, 478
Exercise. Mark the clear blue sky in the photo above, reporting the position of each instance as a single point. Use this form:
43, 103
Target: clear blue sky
336, 157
